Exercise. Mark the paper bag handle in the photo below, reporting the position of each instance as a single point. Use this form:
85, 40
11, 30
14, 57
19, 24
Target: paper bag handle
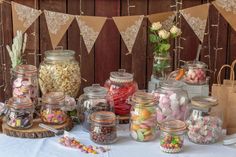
219, 73
232, 66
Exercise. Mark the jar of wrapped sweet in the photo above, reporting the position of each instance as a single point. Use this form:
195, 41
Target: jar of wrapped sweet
53, 108
172, 101
25, 82
103, 127
18, 112
95, 98
60, 72
172, 136
143, 124
121, 86
204, 126
195, 73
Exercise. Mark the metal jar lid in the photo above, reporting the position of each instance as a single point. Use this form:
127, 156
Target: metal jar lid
121, 76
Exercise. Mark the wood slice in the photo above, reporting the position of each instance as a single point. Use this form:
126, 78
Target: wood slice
35, 131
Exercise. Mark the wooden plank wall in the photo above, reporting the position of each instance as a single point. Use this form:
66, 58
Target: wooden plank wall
109, 51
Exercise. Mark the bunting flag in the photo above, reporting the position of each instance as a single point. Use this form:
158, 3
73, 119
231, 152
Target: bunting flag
90, 28
196, 17
227, 9
128, 27
57, 24
166, 19
23, 17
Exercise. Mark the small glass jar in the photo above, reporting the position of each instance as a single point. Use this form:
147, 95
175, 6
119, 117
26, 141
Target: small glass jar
103, 127
95, 98
195, 73
19, 112
121, 86
53, 108
204, 126
162, 65
25, 82
143, 124
172, 101
60, 72
172, 136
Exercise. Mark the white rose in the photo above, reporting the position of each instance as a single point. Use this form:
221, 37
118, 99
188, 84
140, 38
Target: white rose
175, 30
156, 26
164, 34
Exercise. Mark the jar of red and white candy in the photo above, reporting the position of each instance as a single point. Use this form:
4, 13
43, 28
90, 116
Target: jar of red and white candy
204, 126
172, 101
195, 73
121, 86
143, 124
25, 82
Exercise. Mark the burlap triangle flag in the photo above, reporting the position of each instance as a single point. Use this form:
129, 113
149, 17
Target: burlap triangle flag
90, 27
227, 9
128, 27
23, 16
57, 24
165, 18
196, 17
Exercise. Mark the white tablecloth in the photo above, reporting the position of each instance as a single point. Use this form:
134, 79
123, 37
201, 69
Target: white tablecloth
124, 147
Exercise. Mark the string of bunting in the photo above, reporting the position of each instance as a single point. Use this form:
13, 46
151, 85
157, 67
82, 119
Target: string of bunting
128, 26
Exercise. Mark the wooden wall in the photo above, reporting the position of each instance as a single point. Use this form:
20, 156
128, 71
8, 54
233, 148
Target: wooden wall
109, 51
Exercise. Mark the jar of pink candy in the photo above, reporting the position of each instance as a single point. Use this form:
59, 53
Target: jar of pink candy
195, 73
172, 101
25, 82
204, 126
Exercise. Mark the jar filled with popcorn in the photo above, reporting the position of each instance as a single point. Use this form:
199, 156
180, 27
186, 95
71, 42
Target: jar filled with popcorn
60, 72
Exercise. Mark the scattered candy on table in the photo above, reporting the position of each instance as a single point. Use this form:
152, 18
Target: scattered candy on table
53, 116
171, 143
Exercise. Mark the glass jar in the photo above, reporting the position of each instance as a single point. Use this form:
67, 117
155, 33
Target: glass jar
103, 127
161, 66
204, 126
60, 72
195, 73
172, 136
172, 101
25, 82
53, 108
18, 112
95, 98
143, 124
121, 86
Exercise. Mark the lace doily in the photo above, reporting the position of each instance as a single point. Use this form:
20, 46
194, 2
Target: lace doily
228, 5
168, 23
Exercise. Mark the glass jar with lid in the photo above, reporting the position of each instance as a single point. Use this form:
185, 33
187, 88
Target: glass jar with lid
172, 136
53, 108
60, 72
143, 122
204, 126
18, 112
95, 98
103, 127
25, 82
172, 101
195, 73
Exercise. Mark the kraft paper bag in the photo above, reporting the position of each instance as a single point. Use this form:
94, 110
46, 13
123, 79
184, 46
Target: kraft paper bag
230, 81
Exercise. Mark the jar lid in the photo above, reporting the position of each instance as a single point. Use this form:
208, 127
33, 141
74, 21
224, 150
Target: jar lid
53, 98
204, 102
121, 76
142, 97
95, 90
171, 84
59, 54
104, 117
195, 64
19, 103
173, 126
25, 69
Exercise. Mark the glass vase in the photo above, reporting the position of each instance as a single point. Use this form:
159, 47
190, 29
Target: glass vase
162, 66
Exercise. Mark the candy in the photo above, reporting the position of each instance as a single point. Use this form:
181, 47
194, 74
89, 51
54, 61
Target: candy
20, 120
171, 143
195, 76
103, 134
53, 116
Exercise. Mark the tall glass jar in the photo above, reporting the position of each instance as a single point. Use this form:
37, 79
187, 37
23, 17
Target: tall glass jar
95, 98
103, 127
172, 101
121, 86
25, 82
162, 66
60, 72
143, 124
172, 136
204, 126
53, 108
